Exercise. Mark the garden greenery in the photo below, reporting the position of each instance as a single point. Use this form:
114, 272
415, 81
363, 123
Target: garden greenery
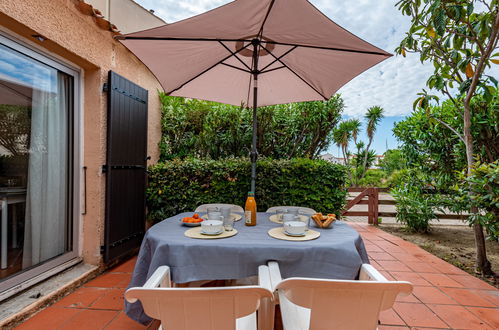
415, 207
181, 185
202, 129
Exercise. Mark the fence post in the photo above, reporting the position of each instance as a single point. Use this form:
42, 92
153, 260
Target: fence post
375, 195
370, 207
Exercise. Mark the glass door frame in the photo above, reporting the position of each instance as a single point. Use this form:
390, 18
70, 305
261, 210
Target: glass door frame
31, 276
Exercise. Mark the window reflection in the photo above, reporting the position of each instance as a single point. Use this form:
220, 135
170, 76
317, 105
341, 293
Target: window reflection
35, 107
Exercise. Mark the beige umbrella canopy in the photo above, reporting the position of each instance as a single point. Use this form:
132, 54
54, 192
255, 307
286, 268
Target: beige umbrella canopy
255, 53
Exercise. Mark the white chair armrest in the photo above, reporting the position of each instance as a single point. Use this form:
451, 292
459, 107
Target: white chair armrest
369, 273
160, 278
264, 278
275, 274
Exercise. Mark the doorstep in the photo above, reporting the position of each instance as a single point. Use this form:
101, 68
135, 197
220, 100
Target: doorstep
21, 306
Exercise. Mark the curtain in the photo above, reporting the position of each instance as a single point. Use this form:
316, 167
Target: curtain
46, 201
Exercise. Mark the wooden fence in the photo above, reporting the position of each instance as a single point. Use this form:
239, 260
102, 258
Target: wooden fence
370, 196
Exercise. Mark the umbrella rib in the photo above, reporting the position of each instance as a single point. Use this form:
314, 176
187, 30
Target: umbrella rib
260, 32
296, 74
329, 48
277, 59
266, 41
270, 70
206, 70
235, 55
235, 67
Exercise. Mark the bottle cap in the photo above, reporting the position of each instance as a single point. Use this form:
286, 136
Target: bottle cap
251, 194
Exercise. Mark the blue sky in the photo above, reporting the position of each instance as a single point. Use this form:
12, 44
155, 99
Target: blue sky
393, 84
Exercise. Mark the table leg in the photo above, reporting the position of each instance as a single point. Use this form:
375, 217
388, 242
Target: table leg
3, 247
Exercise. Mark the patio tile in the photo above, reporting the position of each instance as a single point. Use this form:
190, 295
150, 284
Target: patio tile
432, 295
418, 315
490, 295
389, 327
409, 298
373, 248
390, 317
90, 319
414, 278
110, 280
458, 317
446, 268
387, 275
381, 256
405, 257
489, 315
471, 282
467, 297
421, 267
376, 265
49, 318
371, 237
113, 299
122, 321
125, 267
440, 280
81, 298
395, 266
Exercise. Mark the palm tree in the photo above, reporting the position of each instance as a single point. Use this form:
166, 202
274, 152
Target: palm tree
355, 125
373, 116
341, 137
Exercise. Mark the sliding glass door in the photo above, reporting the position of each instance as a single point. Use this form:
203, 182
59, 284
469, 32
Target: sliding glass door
37, 115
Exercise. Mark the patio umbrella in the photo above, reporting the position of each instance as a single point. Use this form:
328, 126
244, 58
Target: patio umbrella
254, 53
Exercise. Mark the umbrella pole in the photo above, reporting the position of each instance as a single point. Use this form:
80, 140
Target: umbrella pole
254, 152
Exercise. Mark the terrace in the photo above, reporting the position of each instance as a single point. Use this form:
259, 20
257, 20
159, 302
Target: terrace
444, 296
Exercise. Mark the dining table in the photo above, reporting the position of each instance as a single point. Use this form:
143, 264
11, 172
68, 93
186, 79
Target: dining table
337, 253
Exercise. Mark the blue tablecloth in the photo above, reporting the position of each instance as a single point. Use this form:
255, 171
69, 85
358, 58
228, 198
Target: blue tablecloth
337, 254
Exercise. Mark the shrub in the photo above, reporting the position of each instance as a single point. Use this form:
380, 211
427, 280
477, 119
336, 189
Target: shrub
202, 129
415, 208
396, 179
181, 185
373, 178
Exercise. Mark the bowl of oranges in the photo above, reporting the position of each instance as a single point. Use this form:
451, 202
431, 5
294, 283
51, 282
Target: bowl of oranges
193, 221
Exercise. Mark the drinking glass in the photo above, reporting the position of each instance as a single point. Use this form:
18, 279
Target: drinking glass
228, 223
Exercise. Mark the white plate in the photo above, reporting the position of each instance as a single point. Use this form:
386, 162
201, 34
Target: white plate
294, 235
234, 216
212, 234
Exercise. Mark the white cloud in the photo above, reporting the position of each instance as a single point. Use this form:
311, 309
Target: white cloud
392, 84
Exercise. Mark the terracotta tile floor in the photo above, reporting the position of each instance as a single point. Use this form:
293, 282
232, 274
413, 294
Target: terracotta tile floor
444, 297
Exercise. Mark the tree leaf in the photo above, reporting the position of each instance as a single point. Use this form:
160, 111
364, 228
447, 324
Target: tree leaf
495, 61
431, 32
469, 70
439, 21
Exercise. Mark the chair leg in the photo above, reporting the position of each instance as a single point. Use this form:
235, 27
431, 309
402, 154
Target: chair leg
266, 315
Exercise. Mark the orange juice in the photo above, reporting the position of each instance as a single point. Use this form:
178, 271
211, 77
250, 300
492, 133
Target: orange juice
250, 210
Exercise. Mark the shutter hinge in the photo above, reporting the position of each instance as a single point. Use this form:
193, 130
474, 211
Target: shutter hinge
105, 87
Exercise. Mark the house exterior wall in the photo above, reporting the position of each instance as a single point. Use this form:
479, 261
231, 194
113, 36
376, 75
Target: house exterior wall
75, 38
127, 15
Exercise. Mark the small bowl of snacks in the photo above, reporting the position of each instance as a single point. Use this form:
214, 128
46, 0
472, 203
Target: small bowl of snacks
324, 221
193, 221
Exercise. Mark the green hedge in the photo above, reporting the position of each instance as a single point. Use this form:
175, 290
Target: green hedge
181, 185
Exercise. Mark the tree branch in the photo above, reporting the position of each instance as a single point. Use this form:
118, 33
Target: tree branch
449, 127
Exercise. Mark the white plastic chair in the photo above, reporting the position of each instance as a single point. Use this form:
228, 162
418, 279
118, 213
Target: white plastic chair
321, 304
302, 210
224, 308
204, 207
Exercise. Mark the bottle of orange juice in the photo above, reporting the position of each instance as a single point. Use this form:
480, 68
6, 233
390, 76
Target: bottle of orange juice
250, 210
